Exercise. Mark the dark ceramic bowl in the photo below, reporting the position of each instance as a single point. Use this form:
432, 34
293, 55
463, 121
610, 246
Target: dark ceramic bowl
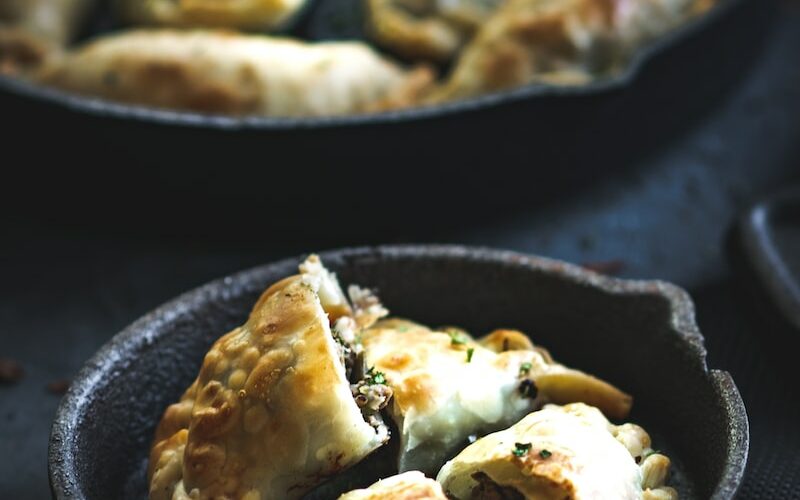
639, 335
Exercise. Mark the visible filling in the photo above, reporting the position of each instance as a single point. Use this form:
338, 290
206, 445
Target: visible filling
368, 387
486, 489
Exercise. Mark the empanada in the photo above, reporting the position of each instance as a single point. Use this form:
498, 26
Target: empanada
411, 485
427, 29
248, 15
569, 452
449, 389
568, 42
227, 73
273, 412
29, 29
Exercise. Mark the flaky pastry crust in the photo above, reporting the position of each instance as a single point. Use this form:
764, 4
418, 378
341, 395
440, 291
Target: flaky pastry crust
271, 413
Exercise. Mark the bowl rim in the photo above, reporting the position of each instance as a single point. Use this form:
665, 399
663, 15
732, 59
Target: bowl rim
101, 108
61, 454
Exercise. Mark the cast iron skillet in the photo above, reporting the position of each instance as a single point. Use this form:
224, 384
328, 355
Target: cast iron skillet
640, 335
342, 19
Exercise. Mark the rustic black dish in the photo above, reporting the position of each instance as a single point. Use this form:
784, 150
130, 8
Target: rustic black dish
639, 335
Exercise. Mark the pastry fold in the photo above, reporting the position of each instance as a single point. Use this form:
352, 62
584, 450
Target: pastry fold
568, 452
228, 73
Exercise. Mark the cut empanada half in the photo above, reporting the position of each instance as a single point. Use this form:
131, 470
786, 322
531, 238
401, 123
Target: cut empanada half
280, 403
560, 452
449, 389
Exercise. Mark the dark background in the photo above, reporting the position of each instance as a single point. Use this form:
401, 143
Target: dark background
103, 220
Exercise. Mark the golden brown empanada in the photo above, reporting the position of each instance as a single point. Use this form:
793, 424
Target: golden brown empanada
411, 485
568, 452
273, 412
449, 389
248, 15
221, 72
565, 42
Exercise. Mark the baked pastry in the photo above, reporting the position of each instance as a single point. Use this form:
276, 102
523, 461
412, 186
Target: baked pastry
272, 412
248, 15
425, 29
221, 72
411, 485
567, 42
449, 389
30, 29
560, 452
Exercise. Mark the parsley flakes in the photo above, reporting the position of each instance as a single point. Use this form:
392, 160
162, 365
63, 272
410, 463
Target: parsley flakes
521, 449
456, 338
545, 454
470, 352
524, 368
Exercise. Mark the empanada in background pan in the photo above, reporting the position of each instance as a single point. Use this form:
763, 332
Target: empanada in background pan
272, 413
564, 42
246, 15
449, 389
433, 30
560, 452
30, 29
235, 74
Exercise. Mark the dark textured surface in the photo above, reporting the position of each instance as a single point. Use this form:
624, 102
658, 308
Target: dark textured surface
105, 423
100, 225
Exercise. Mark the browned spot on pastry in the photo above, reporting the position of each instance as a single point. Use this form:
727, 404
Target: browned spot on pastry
203, 462
415, 392
396, 361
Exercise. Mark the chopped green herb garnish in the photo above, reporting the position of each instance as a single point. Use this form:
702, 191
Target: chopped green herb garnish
524, 368
470, 352
374, 377
456, 338
402, 328
521, 449
545, 454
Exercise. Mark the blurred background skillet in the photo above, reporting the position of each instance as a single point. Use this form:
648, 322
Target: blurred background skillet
327, 20
162, 163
